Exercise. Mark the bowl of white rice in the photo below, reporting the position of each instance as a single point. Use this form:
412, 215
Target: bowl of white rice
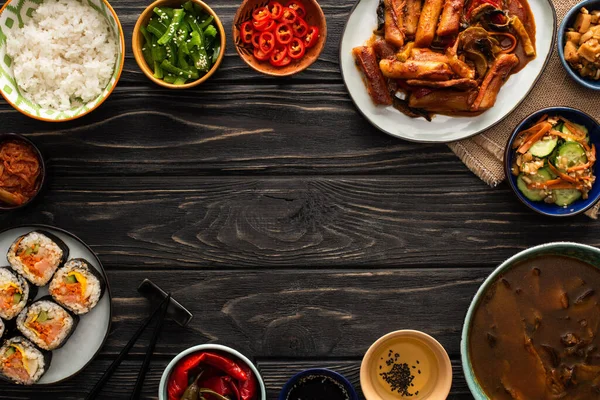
59, 59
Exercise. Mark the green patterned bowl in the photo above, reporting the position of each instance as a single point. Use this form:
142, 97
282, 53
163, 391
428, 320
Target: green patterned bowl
588, 254
14, 15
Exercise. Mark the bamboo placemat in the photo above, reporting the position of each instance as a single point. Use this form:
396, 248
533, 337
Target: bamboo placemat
484, 154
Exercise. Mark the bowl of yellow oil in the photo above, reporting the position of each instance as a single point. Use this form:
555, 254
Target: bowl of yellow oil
406, 364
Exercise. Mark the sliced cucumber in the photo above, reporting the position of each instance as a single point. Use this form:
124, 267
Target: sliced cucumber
71, 279
564, 197
543, 148
573, 152
11, 350
542, 175
42, 316
566, 130
17, 298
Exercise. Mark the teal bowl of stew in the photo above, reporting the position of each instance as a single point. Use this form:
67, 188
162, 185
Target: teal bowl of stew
554, 210
581, 252
228, 352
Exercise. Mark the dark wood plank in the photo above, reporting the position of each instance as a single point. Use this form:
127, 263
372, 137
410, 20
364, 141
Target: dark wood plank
299, 314
226, 222
257, 130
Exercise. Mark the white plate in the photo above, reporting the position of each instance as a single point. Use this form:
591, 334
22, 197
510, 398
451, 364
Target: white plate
93, 328
360, 25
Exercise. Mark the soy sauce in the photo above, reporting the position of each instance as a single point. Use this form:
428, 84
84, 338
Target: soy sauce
318, 387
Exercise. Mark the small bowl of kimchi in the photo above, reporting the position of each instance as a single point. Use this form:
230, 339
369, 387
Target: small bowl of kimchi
550, 161
22, 171
212, 371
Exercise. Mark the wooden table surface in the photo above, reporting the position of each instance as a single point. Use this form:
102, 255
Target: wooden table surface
292, 229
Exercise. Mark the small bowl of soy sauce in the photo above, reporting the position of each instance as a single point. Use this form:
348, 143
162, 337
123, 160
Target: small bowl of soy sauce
318, 384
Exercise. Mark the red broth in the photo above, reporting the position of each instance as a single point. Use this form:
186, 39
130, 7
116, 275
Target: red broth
535, 333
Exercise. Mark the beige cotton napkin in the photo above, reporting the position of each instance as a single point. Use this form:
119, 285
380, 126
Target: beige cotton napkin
484, 154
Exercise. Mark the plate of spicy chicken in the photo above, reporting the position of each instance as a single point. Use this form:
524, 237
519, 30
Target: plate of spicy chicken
444, 70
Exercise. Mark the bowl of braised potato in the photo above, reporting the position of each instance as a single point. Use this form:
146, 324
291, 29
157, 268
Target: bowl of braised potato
579, 43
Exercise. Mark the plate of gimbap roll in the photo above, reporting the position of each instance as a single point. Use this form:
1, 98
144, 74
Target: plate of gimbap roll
55, 305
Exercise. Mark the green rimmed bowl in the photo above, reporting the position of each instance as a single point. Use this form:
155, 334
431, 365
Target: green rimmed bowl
13, 15
587, 254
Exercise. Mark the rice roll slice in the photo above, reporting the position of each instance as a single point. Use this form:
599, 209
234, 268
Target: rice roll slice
47, 324
21, 362
77, 286
2, 328
15, 292
37, 255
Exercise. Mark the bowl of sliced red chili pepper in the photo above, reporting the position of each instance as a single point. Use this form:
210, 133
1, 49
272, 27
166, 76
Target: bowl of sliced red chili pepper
279, 38
211, 371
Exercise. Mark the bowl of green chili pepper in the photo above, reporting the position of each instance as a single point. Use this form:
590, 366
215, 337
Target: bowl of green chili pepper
178, 44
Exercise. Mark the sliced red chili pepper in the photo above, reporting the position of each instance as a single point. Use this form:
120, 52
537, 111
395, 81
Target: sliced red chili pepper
248, 388
298, 7
300, 28
266, 42
178, 381
276, 9
246, 32
288, 16
260, 14
283, 33
255, 37
278, 54
259, 55
226, 365
296, 49
269, 26
312, 37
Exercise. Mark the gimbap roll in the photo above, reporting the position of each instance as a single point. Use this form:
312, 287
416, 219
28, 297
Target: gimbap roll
14, 294
37, 255
77, 286
46, 324
2, 328
21, 362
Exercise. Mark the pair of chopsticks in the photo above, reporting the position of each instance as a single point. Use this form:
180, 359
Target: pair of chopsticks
161, 311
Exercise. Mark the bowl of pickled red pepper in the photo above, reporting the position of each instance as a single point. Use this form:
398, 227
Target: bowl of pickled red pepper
178, 44
279, 38
211, 372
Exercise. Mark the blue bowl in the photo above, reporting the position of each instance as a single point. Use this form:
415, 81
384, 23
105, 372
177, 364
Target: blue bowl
568, 22
553, 210
319, 371
588, 254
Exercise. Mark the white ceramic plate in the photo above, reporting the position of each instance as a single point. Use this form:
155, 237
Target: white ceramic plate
93, 328
360, 25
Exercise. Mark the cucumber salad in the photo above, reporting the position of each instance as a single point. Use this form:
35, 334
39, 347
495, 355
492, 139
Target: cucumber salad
554, 161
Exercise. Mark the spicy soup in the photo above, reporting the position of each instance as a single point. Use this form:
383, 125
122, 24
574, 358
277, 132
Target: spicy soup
535, 333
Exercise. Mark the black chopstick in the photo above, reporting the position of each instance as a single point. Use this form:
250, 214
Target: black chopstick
142, 374
96, 389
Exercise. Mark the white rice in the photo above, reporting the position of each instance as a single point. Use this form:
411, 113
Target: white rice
7, 278
34, 359
48, 250
64, 56
54, 312
92, 289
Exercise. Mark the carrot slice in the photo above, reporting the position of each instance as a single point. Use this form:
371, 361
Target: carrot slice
561, 174
579, 167
535, 137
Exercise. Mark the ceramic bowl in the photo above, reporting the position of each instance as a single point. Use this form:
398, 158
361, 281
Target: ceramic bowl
369, 363
319, 371
588, 254
138, 39
12, 15
314, 17
568, 22
162, 390
41, 179
552, 210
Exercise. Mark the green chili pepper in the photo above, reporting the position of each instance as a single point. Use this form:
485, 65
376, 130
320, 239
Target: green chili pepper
210, 31
159, 53
192, 391
165, 14
206, 22
173, 26
178, 72
212, 393
147, 47
188, 6
171, 53
199, 11
180, 81
169, 78
156, 27
158, 72
216, 53
181, 61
